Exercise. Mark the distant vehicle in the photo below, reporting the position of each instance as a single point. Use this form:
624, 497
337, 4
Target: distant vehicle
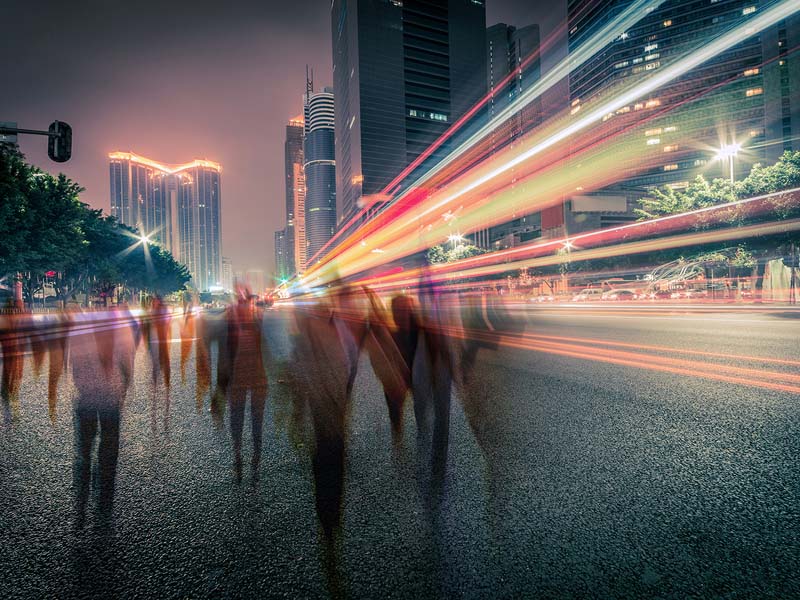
541, 298
621, 294
588, 294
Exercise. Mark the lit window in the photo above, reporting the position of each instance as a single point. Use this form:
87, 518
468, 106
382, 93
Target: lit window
652, 65
668, 22
753, 71
637, 60
749, 10
650, 132
781, 62
607, 117
621, 65
638, 106
653, 141
575, 102
670, 129
756, 132
357, 179
650, 47
623, 110
678, 185
672, 167
652, 103
754, 92
624, 36
671, 148
699, 162
652, 56
574, 109
412, 112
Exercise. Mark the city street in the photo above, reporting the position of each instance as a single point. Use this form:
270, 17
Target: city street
609, 451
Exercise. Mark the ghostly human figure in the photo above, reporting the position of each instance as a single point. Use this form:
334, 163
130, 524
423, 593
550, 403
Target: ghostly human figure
57, 345
13, 344
248, 377
102, 359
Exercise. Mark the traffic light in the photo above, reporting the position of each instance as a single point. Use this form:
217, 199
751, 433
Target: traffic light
59, 142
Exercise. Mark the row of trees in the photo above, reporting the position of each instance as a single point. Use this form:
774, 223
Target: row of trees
47, 235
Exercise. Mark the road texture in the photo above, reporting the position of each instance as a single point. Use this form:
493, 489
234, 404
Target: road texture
575, 469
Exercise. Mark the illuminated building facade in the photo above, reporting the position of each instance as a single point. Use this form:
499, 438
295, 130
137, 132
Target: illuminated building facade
281, 256
320, 170
403, 73
177, 206
747, 95
295, 190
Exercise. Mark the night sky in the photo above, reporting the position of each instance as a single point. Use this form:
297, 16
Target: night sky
180, 80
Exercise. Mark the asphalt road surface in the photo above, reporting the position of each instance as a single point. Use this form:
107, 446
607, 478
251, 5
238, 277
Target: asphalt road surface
626, 452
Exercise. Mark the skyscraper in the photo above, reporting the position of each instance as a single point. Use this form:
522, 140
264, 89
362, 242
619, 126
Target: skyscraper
295, 188
146, 194
403, 73
281, 263
745, 95
227, 273
320, 169
512, 66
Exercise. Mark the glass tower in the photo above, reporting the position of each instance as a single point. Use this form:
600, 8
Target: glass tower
320, 170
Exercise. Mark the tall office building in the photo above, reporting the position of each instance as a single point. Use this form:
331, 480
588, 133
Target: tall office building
512, 51
512, 66
177, 206
142, 195
281, 256
227, 273
403, 72
320, 169
747, 95
295, 188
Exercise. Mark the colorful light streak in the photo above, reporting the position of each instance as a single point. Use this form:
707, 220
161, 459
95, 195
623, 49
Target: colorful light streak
394, 230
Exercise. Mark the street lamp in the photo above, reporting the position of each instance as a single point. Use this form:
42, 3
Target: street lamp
729, 151
455, 237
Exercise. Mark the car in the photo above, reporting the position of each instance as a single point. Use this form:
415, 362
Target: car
621, 295
588, 295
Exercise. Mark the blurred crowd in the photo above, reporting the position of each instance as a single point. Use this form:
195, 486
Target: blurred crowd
421, 347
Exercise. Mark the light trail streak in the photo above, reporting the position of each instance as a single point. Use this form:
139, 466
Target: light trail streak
515, 257
724, 373
401, 229
603, 37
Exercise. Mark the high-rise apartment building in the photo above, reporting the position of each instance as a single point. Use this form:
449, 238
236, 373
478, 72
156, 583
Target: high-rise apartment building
746, 95
295, 190
320, 169
403, 73
177, 206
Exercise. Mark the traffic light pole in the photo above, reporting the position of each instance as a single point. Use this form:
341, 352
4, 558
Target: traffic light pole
4, 130
59, 139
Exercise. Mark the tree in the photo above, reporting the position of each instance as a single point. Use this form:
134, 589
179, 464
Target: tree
45, 227
783, 175
438, 255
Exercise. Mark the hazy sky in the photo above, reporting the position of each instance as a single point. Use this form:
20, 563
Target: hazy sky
180, 80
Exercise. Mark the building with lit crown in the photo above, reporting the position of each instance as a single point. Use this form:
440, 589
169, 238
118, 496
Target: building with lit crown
176, 206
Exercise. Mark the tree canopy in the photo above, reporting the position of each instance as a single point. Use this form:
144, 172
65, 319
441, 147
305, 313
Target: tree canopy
46, 229
701, 193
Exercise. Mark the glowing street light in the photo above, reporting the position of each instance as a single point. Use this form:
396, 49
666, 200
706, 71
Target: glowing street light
144, 239
455, 237
729, 151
